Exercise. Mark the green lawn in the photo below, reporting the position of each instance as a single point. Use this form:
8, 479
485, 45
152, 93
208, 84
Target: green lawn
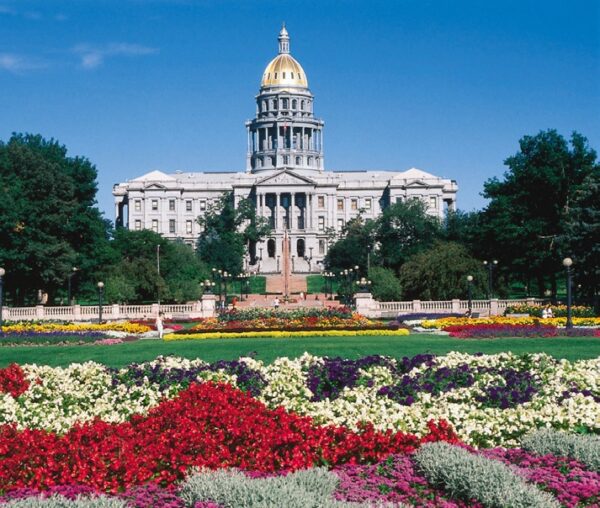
269, 349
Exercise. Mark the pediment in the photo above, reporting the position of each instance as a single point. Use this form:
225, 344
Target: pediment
154, 176
416, 183
154, 185
285, 178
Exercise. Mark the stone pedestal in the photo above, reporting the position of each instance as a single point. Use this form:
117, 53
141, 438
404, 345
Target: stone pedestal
365, 304
209, 305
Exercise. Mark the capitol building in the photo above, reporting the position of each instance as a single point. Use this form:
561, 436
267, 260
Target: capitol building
285, 178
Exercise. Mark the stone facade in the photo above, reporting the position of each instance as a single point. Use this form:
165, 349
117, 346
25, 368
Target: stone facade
285, 177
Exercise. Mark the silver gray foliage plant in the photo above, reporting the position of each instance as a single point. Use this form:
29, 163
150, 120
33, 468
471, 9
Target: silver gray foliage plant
585, 449
309, 488
468, 476
57, 501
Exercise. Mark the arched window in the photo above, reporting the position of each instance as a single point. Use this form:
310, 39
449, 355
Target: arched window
274, 103
302, 105
271, 248
298, 161
310, 161
294, 103
284, 103
300, 247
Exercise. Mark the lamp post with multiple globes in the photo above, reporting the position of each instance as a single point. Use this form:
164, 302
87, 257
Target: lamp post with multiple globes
470, 294
490, 265
100, 296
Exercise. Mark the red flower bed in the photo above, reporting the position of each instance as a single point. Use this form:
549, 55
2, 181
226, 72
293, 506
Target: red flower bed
490, 331
208, 425
12, 380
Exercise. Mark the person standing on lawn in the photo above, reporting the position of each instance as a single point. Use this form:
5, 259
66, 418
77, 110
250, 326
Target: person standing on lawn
159, 324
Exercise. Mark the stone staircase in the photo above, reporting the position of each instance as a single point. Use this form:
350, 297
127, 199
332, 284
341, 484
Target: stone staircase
276, 284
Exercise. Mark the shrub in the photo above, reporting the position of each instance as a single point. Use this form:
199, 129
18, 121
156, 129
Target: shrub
303, 489
57, 501
469, 476
585, 449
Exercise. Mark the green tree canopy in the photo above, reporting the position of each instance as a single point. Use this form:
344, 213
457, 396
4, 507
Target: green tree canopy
48, 219
403, 229
150, 267
227, 231
581, 237
354, 247
385, 285
440, 273
529, 208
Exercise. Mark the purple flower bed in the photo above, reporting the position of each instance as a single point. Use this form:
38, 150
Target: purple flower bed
392, 480
565, 478
431, 381
415, 316
519, 387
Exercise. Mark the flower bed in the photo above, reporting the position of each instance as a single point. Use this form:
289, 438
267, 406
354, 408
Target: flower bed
492, 331
275, 320
490, 400
373, 425
443, 323
26, 327
557, 310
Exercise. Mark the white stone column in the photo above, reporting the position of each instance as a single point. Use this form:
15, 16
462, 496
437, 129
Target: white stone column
293, 223
277, 210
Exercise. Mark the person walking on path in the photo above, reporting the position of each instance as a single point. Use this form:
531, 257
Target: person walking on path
159, 325
276, 303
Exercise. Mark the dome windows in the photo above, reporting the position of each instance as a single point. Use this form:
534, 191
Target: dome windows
294, 104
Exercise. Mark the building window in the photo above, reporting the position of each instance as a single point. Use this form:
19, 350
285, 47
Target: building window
171, 225
171, 205
340, 204
188, 227
155, 204
284, 102
302, 105
275, 100
320, 201
294, 101
321, 246
137, 205
340, 224
188, 205
286, 159
321, 223
433, 202
202, 204
155, 225
354, 204
138, 225
265, 105
298, 161
368, 204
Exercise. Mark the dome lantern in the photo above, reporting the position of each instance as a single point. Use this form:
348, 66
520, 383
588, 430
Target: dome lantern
284, 40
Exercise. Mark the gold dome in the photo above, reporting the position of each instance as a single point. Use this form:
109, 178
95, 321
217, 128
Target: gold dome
284, 70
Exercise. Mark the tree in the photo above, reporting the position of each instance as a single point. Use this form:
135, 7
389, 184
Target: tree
49, 222
354, 247
528, 208
581, 238
228, 231
385, 285
440, 273
136, 276
403, 229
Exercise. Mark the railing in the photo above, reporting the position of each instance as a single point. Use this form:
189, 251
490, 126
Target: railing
366, 306
92, 312
491, 307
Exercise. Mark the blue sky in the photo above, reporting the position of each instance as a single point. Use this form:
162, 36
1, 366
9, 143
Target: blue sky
445, 86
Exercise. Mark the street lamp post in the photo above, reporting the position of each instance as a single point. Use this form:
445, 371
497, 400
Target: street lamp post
470, 294
490, 266
100, 295
69, 277
209, 286
567, 262
2, 272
